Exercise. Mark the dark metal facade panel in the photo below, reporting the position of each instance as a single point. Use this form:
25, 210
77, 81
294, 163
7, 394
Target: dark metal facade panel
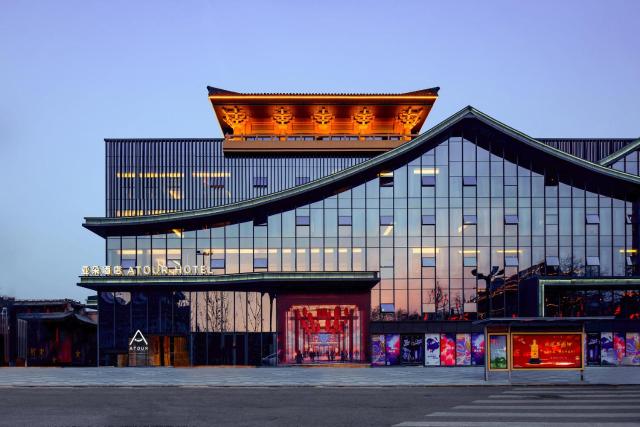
156, 176
590, 149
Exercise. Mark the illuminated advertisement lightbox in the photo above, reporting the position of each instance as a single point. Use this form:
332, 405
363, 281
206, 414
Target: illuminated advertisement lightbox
477, 349
447, 349
498, 352
546, 350
377, 350
432, 350
633, 348
411, 350
619, 347
463, 349
593, 349
392, 349
607, 356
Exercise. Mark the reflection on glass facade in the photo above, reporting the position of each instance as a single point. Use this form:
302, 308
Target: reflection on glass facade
476, 211
225, 327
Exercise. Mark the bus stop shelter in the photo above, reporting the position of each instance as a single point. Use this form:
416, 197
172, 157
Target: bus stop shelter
535, 343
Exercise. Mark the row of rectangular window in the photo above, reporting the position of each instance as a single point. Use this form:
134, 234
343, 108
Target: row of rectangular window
468, 261
431, 220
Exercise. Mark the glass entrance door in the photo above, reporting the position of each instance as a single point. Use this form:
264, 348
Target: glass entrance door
323, 334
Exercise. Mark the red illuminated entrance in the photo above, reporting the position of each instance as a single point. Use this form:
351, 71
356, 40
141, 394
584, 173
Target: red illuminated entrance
322, 328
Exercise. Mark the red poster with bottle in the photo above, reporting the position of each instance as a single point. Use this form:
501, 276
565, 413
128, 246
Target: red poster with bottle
547, 351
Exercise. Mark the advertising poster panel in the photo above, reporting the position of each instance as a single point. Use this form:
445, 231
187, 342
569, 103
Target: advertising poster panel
463, 349
607, 356
546, 350
392, 349
633, 348
477, 349
619, 349
497, 352
377, 350
447, 350
411, 351
593, 349
432, 350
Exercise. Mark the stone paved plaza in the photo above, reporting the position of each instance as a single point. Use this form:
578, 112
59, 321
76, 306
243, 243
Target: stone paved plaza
296, 376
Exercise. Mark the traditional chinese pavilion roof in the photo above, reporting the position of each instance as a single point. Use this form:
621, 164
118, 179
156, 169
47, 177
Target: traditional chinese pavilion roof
294, 122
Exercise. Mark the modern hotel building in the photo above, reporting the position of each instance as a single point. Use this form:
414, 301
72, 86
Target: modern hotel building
324, 228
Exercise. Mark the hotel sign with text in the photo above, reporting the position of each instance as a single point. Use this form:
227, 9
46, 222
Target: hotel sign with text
146, 270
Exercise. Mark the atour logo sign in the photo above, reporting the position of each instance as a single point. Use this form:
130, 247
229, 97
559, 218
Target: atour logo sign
138, 343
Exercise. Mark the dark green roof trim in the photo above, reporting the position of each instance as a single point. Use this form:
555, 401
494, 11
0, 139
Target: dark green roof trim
326, 281
614, 157
339, 181
586, 281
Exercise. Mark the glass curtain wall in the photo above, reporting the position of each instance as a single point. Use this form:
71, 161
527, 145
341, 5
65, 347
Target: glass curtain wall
424, 227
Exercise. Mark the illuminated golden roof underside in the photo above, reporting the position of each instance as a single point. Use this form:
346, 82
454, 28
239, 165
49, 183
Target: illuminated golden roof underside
262, 122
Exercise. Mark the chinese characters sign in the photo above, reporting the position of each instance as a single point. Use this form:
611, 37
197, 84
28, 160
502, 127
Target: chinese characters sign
547, 351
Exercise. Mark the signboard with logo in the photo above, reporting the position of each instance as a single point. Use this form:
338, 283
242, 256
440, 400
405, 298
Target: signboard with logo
138, 350
547, 350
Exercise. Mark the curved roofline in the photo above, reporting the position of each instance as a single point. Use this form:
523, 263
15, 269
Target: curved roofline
214, 91
336, 182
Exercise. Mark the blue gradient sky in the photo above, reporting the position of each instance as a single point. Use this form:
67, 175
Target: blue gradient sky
73, 73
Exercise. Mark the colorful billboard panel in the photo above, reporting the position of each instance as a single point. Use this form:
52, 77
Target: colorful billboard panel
377, 350
546, 351
619, 349
497, 352
593, 349
392, 349
607, 356
432, 350
447, 349
477, 349
463, 349
411, 351
633, 348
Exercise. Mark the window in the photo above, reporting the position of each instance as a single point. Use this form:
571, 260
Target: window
386, 179
173, 263
511, 261
302, 220
217, 263
344, 220
128, 263
260, 263
553, 261
469, 220
428, 262
428, 181
511, 219
217, 182
593, 260
593, 219
387, 308
468, 181
386, 220
300, 180
428, 220
470, 261
260, 181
